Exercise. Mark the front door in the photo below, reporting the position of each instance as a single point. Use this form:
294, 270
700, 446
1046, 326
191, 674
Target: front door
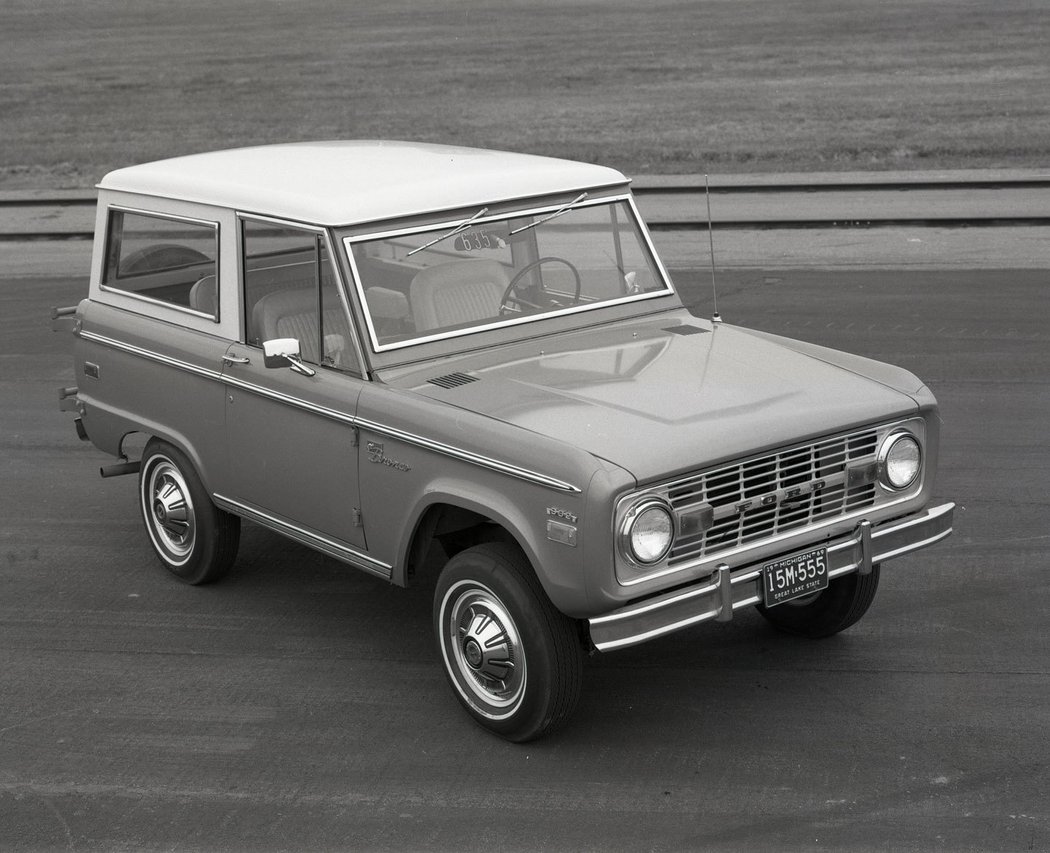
291, 440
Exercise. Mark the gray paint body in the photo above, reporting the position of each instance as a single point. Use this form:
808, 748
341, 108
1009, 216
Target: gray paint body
563, 418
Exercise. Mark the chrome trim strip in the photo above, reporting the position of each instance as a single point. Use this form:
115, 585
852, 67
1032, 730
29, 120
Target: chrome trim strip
506, 213
288, 400
288, 223
931, 515
725, 593
513, 321
660, 604
141, 352
409, 438
889, 555
331, 547
364, 365
884, 451
160, 303
626, 528
468, 456
156, 214
654, 255
864, 534
218, 376
392, 432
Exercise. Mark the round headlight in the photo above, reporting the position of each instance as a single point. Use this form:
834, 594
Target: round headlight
900, 460
648, 532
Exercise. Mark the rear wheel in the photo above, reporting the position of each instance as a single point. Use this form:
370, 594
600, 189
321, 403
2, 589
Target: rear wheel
841, 605
513, 660
194, 539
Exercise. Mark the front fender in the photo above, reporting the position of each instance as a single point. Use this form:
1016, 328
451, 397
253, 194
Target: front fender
558, 566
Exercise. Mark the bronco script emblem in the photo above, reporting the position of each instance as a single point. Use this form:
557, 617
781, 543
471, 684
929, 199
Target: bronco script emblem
375, 454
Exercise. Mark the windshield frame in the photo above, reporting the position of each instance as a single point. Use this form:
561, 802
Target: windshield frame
502, 213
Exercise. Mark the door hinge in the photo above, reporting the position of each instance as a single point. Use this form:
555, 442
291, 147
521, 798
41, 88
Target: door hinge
357, 517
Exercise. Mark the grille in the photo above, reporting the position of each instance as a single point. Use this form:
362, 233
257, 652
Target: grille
744, 502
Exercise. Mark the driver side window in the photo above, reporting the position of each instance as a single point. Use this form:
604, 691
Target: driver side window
291, 291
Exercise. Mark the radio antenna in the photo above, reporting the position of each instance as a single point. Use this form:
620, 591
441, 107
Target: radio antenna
715, 317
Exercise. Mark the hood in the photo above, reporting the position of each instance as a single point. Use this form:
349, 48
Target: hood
662, 395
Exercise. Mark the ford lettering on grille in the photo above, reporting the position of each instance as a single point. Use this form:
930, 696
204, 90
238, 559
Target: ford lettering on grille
790, 489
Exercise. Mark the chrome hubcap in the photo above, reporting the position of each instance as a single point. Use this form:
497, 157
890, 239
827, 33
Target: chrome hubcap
174, 525
472, 651
486, 648
483, 648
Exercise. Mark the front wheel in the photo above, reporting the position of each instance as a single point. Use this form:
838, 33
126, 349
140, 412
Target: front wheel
194, 539
826, 613
514, 662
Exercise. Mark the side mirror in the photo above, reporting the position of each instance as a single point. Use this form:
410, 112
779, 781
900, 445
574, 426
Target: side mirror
277, 351
284, 352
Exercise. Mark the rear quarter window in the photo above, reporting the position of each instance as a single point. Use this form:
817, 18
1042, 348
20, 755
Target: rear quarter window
163, 259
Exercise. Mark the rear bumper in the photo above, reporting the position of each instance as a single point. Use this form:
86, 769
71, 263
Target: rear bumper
730, 589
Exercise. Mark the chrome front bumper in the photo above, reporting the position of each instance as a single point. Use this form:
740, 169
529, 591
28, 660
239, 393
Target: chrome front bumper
730, 589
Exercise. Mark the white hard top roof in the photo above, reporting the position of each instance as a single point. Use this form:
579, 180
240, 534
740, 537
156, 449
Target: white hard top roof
347, 183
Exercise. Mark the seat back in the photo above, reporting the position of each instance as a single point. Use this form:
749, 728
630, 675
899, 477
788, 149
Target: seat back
293, 314
204, 295
457, 292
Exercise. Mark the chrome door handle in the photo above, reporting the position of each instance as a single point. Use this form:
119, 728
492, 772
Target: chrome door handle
236, 359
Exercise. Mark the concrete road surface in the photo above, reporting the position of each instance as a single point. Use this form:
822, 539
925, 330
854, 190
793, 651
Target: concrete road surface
300, 706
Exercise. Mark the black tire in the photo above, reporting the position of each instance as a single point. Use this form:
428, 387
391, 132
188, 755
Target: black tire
841, 605
515, 663
194, 539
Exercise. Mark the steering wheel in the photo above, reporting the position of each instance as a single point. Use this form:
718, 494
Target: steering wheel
512, 298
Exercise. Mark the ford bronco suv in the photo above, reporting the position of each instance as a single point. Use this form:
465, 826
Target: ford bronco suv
470, 368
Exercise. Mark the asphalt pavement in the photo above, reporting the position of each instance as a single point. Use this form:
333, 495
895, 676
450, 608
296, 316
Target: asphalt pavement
300, 706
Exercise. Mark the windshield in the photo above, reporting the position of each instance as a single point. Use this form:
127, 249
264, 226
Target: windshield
456, 278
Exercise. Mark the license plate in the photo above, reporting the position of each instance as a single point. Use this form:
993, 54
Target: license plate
795, 576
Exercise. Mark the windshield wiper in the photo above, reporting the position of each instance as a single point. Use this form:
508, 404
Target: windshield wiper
464, 224
549, 216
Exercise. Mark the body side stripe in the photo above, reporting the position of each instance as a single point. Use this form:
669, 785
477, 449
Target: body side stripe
351, 420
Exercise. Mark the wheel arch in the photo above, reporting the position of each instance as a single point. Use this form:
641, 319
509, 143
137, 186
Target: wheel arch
116, 431
141, 435
455, 522
195, 540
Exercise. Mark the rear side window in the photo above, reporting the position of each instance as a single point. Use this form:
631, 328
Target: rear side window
164, 259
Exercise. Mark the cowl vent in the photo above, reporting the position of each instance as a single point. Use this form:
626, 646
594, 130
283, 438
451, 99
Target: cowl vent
452, 380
